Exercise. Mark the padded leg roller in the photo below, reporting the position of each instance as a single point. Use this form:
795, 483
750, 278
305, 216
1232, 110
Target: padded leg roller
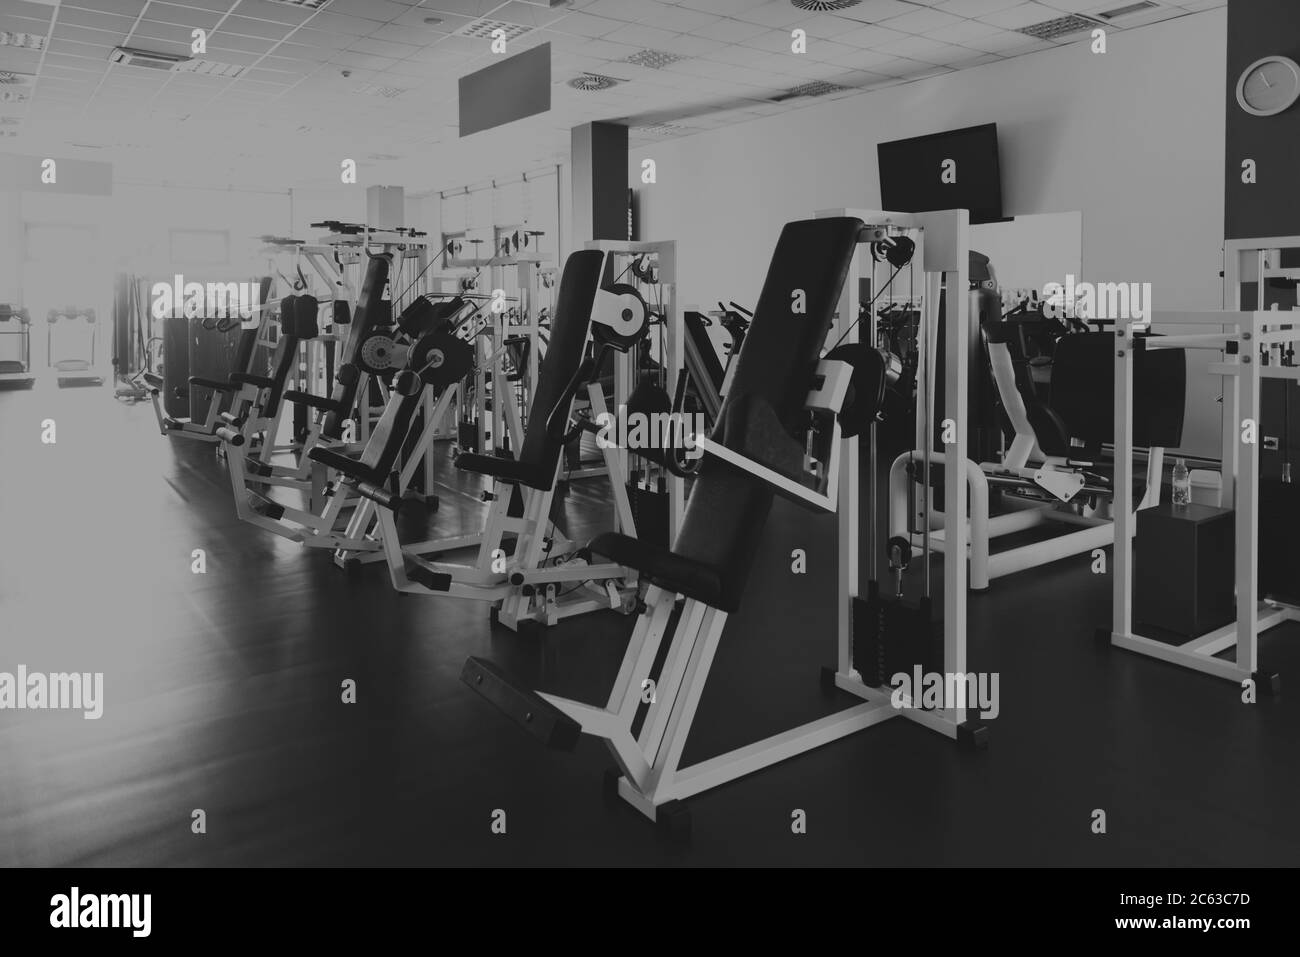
552, 726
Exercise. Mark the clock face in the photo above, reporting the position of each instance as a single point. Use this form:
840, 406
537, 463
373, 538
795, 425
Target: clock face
1269, 86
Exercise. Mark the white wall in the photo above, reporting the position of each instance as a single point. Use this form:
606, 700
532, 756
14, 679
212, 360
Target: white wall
1133, 138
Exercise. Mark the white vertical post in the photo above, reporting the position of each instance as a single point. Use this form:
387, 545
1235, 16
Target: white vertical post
849, 498
1247, 513
1122, 561
956, 529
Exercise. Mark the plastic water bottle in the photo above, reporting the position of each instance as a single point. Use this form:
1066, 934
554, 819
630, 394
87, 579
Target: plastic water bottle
1182, 483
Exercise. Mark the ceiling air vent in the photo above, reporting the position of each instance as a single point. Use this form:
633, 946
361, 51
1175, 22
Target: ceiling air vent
653, 59
591, 82
1125, 11
824, 6
483, 28
815, 88
129, 56
26, 41
10, 120
302, 4
10, 79
1060, 27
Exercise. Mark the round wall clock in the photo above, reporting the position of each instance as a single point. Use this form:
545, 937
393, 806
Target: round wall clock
1269, 86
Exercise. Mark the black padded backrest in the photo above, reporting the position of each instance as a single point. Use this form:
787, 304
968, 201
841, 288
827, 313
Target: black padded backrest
369, 313
699, 334
728, 508
244, 349
286, 359
385, 442
570, 324
1083, 391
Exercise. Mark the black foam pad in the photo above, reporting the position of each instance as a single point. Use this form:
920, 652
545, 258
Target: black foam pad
728, 507
1083, 391
570, 324
305, 319
370, 312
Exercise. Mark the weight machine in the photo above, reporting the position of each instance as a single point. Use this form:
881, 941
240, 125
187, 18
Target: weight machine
784, 377
15, 348
525, 585
1252, 347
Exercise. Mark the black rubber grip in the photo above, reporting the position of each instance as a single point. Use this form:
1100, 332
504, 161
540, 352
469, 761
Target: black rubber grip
535, 714
380, 496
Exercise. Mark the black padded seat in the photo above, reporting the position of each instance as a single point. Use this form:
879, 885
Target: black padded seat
507, 470
214, 384
728, 507
662, 565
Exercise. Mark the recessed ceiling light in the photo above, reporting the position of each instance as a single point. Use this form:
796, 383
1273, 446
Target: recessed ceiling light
27, 41
9, 78
1125, 11
373, 89
660, 129
209, 68
653, 59
432, 20
815, 88
305, 4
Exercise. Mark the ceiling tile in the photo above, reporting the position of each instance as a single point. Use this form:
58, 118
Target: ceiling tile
869, 37
125, 8
873, 11
922, 21
640, 36
774, 13
381, 11
975, 8
1012, 18
730, 31
629, 11
585, 25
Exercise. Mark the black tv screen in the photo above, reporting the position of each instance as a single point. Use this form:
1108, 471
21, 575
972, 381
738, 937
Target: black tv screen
917, 177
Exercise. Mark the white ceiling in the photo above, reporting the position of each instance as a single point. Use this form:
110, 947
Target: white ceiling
291, 116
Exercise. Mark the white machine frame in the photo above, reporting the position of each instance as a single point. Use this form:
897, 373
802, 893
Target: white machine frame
1243, 339
651, 775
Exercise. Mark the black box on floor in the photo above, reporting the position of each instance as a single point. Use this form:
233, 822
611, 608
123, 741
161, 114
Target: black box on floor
1279, 540
1183, 568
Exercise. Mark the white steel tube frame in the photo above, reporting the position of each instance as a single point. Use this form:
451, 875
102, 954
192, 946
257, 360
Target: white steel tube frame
650, 762
1248, 334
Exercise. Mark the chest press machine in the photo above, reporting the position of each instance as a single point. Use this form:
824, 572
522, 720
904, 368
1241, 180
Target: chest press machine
525, 585
781, 430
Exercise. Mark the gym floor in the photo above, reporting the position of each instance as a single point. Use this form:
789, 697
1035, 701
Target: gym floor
222, 692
